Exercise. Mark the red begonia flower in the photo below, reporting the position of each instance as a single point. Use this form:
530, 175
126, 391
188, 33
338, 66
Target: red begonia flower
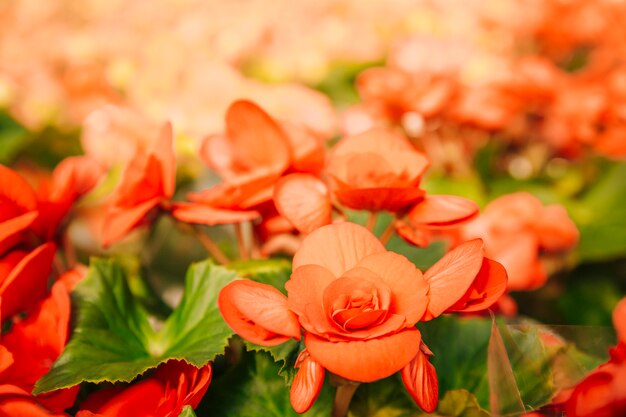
36, 342
148, 181
24, 278
376, 170
18, 208
14, 401
174, 385
304, 201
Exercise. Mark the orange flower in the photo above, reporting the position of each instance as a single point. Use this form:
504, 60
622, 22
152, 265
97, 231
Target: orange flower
376, 170
18, 210
603, 392
516, 228
36, 342
174, 385
358, 304
147, 182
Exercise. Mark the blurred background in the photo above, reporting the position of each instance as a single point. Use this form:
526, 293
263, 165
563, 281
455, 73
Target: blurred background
503, 95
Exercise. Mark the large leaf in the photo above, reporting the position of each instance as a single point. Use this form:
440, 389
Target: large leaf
252, 388
114, 341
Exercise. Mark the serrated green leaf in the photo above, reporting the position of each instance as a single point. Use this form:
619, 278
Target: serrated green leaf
285, 354
274, 272
253, 389
113, 339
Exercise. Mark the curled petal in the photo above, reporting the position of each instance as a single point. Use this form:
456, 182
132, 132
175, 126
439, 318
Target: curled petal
307, 383
410, 235
120, 221
365, 360
452, 275
337, 247
14, 189
258, 312
11, 230
304, 201
375, 199
73, 177
556, 230
420, 380
486, 289
443, 210
204, 214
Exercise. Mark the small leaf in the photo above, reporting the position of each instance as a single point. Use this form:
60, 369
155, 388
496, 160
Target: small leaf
274, 272
113, 340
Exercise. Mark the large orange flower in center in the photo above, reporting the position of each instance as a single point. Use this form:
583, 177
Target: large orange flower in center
357, 302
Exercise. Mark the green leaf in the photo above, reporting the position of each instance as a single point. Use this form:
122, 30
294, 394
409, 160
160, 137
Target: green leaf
460, 403
384, 398
460, 346
187, 412
284, 354
114, 341
252, 388
274, 272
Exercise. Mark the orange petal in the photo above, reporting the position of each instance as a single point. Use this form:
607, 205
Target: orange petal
163, 150
452, 275
14, 189
120, 221
486, 289
305, 296
518, 253
420, 380
365, 360
216, 152
11, 230
443, 210
258, 312
375, 199
74, 177
27, 281
337, 247
411, 235
304, 201
307, 383
241, 192
619, 320
308, 149
408, 287
258, 141
556, 230
203, 214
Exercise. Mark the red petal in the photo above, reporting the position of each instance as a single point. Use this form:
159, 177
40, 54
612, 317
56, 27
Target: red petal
203, 214
307, 383
337, 247
120, 221
411, 235
556, 230
375, 199
420, 380
443, 210
258, 141
16, 190
365, 360
11, 230
258, 312
304, 201
27, 281
486, 289
163, 151
452, 275
73, 177
308, 149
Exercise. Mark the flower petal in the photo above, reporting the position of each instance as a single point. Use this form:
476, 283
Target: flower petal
375, 199
486, 289
258, 141
443, 210
120, 221
16, 190
27, 280
304, 201
163, 150
420, 380
556, 229
452, 275
305, 297
365, 360
74, 177
204, 214
258, 312
307, 383
11, 230
408, 287
337, 247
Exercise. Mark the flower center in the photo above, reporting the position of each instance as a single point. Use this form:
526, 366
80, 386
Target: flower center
353, 303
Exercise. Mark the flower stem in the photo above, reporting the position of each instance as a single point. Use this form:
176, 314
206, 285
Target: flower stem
386, 234
343, 396
371, 221
210, 246
241, 243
